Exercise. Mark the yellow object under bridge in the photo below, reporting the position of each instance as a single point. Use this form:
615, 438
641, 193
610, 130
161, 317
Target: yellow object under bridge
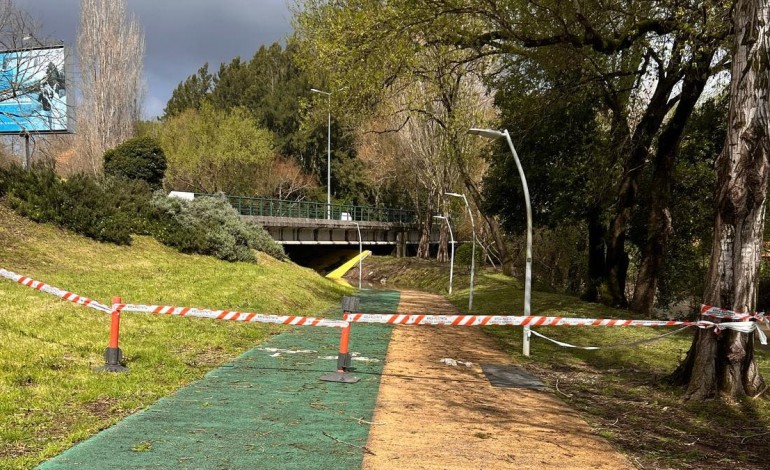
347, 266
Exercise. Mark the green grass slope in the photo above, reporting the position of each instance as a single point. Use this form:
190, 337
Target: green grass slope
50, 397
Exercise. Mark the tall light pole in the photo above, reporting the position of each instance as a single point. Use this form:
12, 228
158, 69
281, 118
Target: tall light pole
328, 154
360, 253
452, 256
493, 134
473, 250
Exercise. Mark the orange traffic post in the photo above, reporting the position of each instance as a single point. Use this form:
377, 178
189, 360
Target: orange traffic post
342, 375
113, 356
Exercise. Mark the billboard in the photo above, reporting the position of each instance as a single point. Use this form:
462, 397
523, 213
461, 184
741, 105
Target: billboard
33, 91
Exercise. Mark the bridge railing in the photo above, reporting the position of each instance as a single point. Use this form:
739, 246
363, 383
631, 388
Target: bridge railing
267, 207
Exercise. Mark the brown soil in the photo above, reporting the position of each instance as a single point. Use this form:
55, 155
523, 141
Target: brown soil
434, 416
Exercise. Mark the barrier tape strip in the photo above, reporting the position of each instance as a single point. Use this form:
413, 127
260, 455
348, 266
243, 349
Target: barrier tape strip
742, 327
723, 313
231, 315
63, 294
505, 320
614, 346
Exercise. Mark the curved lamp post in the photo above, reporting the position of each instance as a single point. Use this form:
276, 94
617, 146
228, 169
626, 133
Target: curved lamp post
328, 154
452, 257
473, 250
493, 134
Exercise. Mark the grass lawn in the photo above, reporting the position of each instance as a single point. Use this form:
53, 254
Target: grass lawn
50, 397
620, 389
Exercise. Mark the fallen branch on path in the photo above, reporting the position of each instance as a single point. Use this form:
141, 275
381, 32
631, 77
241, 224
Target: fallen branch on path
364, 448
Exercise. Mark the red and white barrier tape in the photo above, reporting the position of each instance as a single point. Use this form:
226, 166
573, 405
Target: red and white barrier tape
742, 327
723, 313
63, 294
503, 320
490, 320
231, 315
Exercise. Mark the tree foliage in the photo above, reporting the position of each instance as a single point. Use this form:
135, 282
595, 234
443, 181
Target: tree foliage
140, 158
213, 150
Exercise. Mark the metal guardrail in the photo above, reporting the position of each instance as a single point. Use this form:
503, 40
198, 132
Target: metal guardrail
267, 207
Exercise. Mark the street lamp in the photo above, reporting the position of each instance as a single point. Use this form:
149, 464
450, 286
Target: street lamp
328, 155
493, 134
452, 256
473, 250
360, 254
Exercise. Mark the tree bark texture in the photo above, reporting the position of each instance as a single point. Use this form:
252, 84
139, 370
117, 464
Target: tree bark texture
724, 364
659, 226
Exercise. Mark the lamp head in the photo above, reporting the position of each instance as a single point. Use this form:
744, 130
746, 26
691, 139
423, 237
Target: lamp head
488, 133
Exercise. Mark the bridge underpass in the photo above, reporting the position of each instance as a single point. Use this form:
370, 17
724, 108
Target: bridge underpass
322, 237
323, 245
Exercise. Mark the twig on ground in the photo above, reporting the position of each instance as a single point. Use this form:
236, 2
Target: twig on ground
363, 421
364, 448
743, 441
557, 389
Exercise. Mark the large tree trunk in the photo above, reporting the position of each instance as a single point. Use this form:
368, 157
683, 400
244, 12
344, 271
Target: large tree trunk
724, 364
638, 151
659, 226
423, 248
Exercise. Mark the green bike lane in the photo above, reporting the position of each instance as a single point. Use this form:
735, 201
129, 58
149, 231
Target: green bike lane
266, 409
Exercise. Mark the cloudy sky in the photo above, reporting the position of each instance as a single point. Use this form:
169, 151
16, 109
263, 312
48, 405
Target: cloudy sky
180, 35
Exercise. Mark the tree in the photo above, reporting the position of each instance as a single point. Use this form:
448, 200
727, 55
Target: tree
191, 93
424, 98
212, 150
110, 50
140, 158
724, 364
637, 53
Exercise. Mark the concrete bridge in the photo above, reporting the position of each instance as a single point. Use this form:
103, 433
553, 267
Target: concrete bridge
316, 223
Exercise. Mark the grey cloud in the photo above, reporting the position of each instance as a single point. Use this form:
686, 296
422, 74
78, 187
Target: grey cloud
180, 35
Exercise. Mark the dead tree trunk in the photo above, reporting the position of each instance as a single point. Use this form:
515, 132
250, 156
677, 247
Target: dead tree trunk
724, 364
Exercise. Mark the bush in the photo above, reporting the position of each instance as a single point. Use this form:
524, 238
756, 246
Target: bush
141, 158
80, 204
112, 209
210, 226
464, 252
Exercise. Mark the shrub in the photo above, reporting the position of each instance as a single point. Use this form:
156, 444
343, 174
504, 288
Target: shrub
141, 158
108, 210
210, 226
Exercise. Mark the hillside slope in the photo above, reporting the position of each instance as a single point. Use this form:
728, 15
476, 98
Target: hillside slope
49, 395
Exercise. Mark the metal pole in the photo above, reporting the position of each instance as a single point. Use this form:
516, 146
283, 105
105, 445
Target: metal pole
452, 256
328, 152
360, 254
473, 251
27, 155
528, 271
329, 161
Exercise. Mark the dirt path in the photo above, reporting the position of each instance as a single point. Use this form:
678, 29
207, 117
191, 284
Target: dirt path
433, 416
